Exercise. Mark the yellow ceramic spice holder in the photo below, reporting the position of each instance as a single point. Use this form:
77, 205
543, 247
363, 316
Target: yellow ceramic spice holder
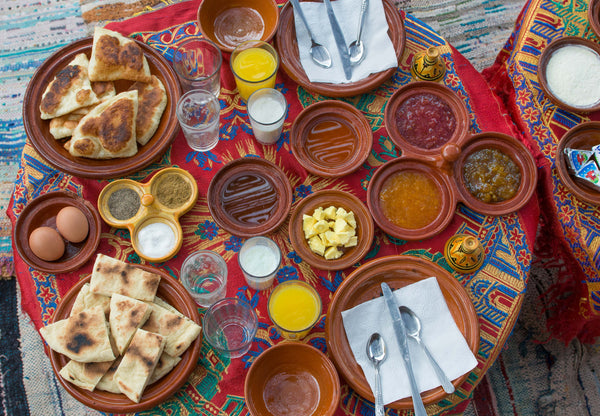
150, 211
464, 253
428, 65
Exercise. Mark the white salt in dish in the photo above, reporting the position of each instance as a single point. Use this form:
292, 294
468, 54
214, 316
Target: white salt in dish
156, 240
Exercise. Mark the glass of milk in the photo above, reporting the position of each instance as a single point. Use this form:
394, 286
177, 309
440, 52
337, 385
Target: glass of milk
259, 259
267, 109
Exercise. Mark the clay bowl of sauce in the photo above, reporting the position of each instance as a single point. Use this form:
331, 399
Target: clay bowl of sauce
43, 212
249, 196
331, 138
427, 119
569, 74
582, 137
229, 23
292, 378
494, 174
150, 211
411, 199
365, 228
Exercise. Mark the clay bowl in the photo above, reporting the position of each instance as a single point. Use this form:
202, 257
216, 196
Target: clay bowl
517, 152
229, 23
331, 138
365, 228
287, 46
52, 150
266, 199
420, 231
594, 16
42, 211
364, 284
171, 291
292, 371
410, 145
583, 136
547, 53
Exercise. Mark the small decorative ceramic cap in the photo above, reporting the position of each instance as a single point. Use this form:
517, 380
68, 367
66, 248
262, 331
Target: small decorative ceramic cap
464, 253
428, 65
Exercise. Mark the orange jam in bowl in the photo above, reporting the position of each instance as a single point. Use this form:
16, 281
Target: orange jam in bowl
410, 199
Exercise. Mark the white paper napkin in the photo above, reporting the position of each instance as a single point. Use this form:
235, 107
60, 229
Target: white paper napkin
439, 332
379, 49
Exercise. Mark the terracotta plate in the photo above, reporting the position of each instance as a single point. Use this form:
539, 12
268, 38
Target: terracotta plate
365, 284
594, 16
543, 62
287, 46
53, 151
365, 228
583, 136
171, 291
249, 196
331, 138
41, 212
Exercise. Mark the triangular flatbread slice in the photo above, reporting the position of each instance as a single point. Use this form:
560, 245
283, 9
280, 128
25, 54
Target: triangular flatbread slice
152, 100
165, 364
111, 276
126, 316
115, 56
138, 363
108, 131
107, 382
69, 90
87, 300
85, 375
82, 337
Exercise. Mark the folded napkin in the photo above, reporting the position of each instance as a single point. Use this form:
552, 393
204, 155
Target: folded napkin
379, 50
438, 331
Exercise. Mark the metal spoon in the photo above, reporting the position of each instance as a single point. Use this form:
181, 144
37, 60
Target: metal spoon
356, 48
413, 330
376, 354
318, 52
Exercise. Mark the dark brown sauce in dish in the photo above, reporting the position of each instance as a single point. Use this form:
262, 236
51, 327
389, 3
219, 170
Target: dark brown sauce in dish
249, 198
330, 143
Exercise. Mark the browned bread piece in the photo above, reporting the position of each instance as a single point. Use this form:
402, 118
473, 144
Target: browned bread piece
126, 316
85, 375
152, 100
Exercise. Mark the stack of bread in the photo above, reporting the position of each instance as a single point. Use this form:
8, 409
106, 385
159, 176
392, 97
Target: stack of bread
82, 101
119, 335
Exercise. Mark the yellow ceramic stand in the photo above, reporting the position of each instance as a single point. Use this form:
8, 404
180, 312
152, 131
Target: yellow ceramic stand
464, 253
428, 65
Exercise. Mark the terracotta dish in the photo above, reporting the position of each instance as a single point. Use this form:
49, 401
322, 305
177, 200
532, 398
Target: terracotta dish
365, 228
583, 136
249, 196
42, 211
171, 291
364, 284
287, 46
594, 16
229, 23
52, 150
292, 370
543, 62
331, 138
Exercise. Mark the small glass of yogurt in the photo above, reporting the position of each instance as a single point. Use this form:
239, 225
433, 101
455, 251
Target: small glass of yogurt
259, 258
267, 109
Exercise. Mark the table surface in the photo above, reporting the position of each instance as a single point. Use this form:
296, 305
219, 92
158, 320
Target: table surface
496, 289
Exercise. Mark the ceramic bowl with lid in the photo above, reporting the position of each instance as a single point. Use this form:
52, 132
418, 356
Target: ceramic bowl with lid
151, 211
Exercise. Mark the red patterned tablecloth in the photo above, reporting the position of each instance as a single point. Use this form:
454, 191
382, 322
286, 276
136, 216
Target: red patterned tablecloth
216, 385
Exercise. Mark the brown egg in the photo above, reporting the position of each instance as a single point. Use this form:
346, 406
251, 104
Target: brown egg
72, 224
46, 243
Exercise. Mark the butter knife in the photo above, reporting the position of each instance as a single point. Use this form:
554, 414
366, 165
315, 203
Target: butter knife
339, 40
400, 332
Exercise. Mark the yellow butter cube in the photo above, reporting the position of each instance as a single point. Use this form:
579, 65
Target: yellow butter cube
341, 213
351, 220
321, 226
318, 214
352, 242
308, 224
330, 213
344, 237
333, 253
341, 226
316, 245
332, 238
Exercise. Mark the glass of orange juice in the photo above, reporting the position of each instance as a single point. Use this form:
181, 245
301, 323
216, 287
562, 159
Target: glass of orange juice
254, 64
294, 307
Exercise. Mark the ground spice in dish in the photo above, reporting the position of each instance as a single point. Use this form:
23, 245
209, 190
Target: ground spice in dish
491, 176
124, 203
173, 191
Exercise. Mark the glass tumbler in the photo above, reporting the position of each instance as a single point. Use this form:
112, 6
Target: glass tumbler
197, 63
204, 276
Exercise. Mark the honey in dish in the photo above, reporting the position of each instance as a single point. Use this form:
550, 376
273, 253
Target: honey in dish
410, 199
330, 143
249, 198
238, 24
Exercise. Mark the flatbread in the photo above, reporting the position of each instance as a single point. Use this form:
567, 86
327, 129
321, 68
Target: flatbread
115, 56
108, 131
126, 316
111, 276
104, 89
107, 382
152, 100
178, 330
87, 300
85, 375
138, 363
165, 364
69, 90
82, 337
